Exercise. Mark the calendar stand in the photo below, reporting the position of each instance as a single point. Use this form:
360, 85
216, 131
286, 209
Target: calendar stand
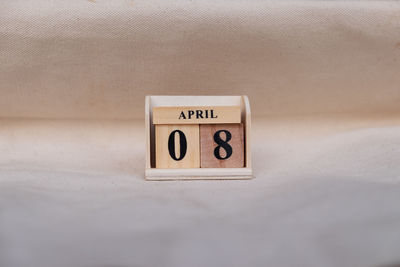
152, 173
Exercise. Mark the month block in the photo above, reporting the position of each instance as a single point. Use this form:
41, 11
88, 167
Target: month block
177, 146
221, 146
196, 115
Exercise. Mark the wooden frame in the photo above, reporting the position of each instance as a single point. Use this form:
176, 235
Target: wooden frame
151, 173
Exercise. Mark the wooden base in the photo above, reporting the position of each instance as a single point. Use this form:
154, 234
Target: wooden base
199, 174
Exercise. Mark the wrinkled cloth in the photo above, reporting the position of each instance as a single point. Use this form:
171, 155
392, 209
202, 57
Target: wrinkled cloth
323, 82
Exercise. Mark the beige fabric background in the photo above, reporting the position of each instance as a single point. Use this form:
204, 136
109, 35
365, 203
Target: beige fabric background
98, 59
324, 85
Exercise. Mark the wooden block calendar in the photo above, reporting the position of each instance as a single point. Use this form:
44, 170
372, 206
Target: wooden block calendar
197, 137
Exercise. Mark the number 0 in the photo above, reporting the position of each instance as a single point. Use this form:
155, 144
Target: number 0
182, 145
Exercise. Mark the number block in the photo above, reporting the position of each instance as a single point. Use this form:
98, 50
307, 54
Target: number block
221, 146
177, 146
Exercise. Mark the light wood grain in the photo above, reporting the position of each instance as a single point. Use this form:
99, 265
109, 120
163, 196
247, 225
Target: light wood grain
192, 156
246, 117
196, 114
208, 146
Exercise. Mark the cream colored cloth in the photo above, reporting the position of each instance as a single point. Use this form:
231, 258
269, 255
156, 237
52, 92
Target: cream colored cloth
323, 80
98, 59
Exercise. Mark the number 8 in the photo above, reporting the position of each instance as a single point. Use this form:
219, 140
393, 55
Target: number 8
222, 143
